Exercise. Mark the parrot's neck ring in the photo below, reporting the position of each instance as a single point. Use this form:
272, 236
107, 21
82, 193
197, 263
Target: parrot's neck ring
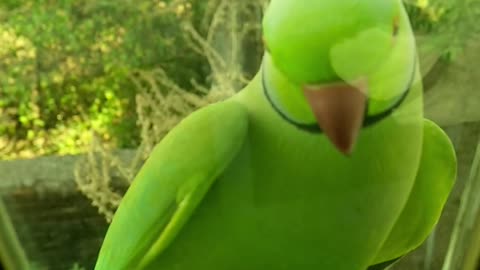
368, 120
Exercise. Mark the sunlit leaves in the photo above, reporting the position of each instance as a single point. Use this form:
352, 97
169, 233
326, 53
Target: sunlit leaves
65, 65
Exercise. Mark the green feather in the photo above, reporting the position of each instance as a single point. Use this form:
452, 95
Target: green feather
171, 183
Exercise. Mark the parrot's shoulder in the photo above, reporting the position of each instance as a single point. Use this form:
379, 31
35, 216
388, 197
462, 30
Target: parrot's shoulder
434, 181
225, 110
226, 115
443, 148
221, 125
174, 179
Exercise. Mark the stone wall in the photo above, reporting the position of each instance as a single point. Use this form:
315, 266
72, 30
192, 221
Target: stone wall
46, 223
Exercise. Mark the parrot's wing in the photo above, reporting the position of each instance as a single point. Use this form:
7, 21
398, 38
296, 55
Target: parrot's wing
435, 178
172, 182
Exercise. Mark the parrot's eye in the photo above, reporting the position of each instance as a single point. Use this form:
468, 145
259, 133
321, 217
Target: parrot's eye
396, 25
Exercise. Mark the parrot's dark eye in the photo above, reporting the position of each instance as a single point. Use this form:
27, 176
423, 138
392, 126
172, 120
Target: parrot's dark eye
396, 26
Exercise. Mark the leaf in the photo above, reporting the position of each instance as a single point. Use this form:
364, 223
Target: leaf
455, 96
430, 49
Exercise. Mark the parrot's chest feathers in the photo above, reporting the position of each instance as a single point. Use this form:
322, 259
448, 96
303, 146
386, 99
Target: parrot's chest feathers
290, 187
297, 165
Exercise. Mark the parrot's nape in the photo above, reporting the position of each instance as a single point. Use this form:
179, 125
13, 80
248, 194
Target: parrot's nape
323, 161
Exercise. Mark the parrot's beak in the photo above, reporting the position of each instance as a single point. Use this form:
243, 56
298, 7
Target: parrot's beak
339, 109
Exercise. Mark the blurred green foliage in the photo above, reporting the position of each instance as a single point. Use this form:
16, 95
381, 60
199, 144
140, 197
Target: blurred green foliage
66, 66
449, 24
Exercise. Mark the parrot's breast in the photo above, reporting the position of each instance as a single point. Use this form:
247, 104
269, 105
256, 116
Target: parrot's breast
290, 200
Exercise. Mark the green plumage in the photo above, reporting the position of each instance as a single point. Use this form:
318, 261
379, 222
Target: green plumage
237, 185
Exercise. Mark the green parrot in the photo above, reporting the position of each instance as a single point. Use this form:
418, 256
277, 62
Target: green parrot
323, 161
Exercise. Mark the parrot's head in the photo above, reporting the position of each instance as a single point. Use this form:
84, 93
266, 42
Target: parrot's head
339, 56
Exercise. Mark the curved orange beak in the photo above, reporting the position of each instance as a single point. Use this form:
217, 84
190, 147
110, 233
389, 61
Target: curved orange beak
339, 109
